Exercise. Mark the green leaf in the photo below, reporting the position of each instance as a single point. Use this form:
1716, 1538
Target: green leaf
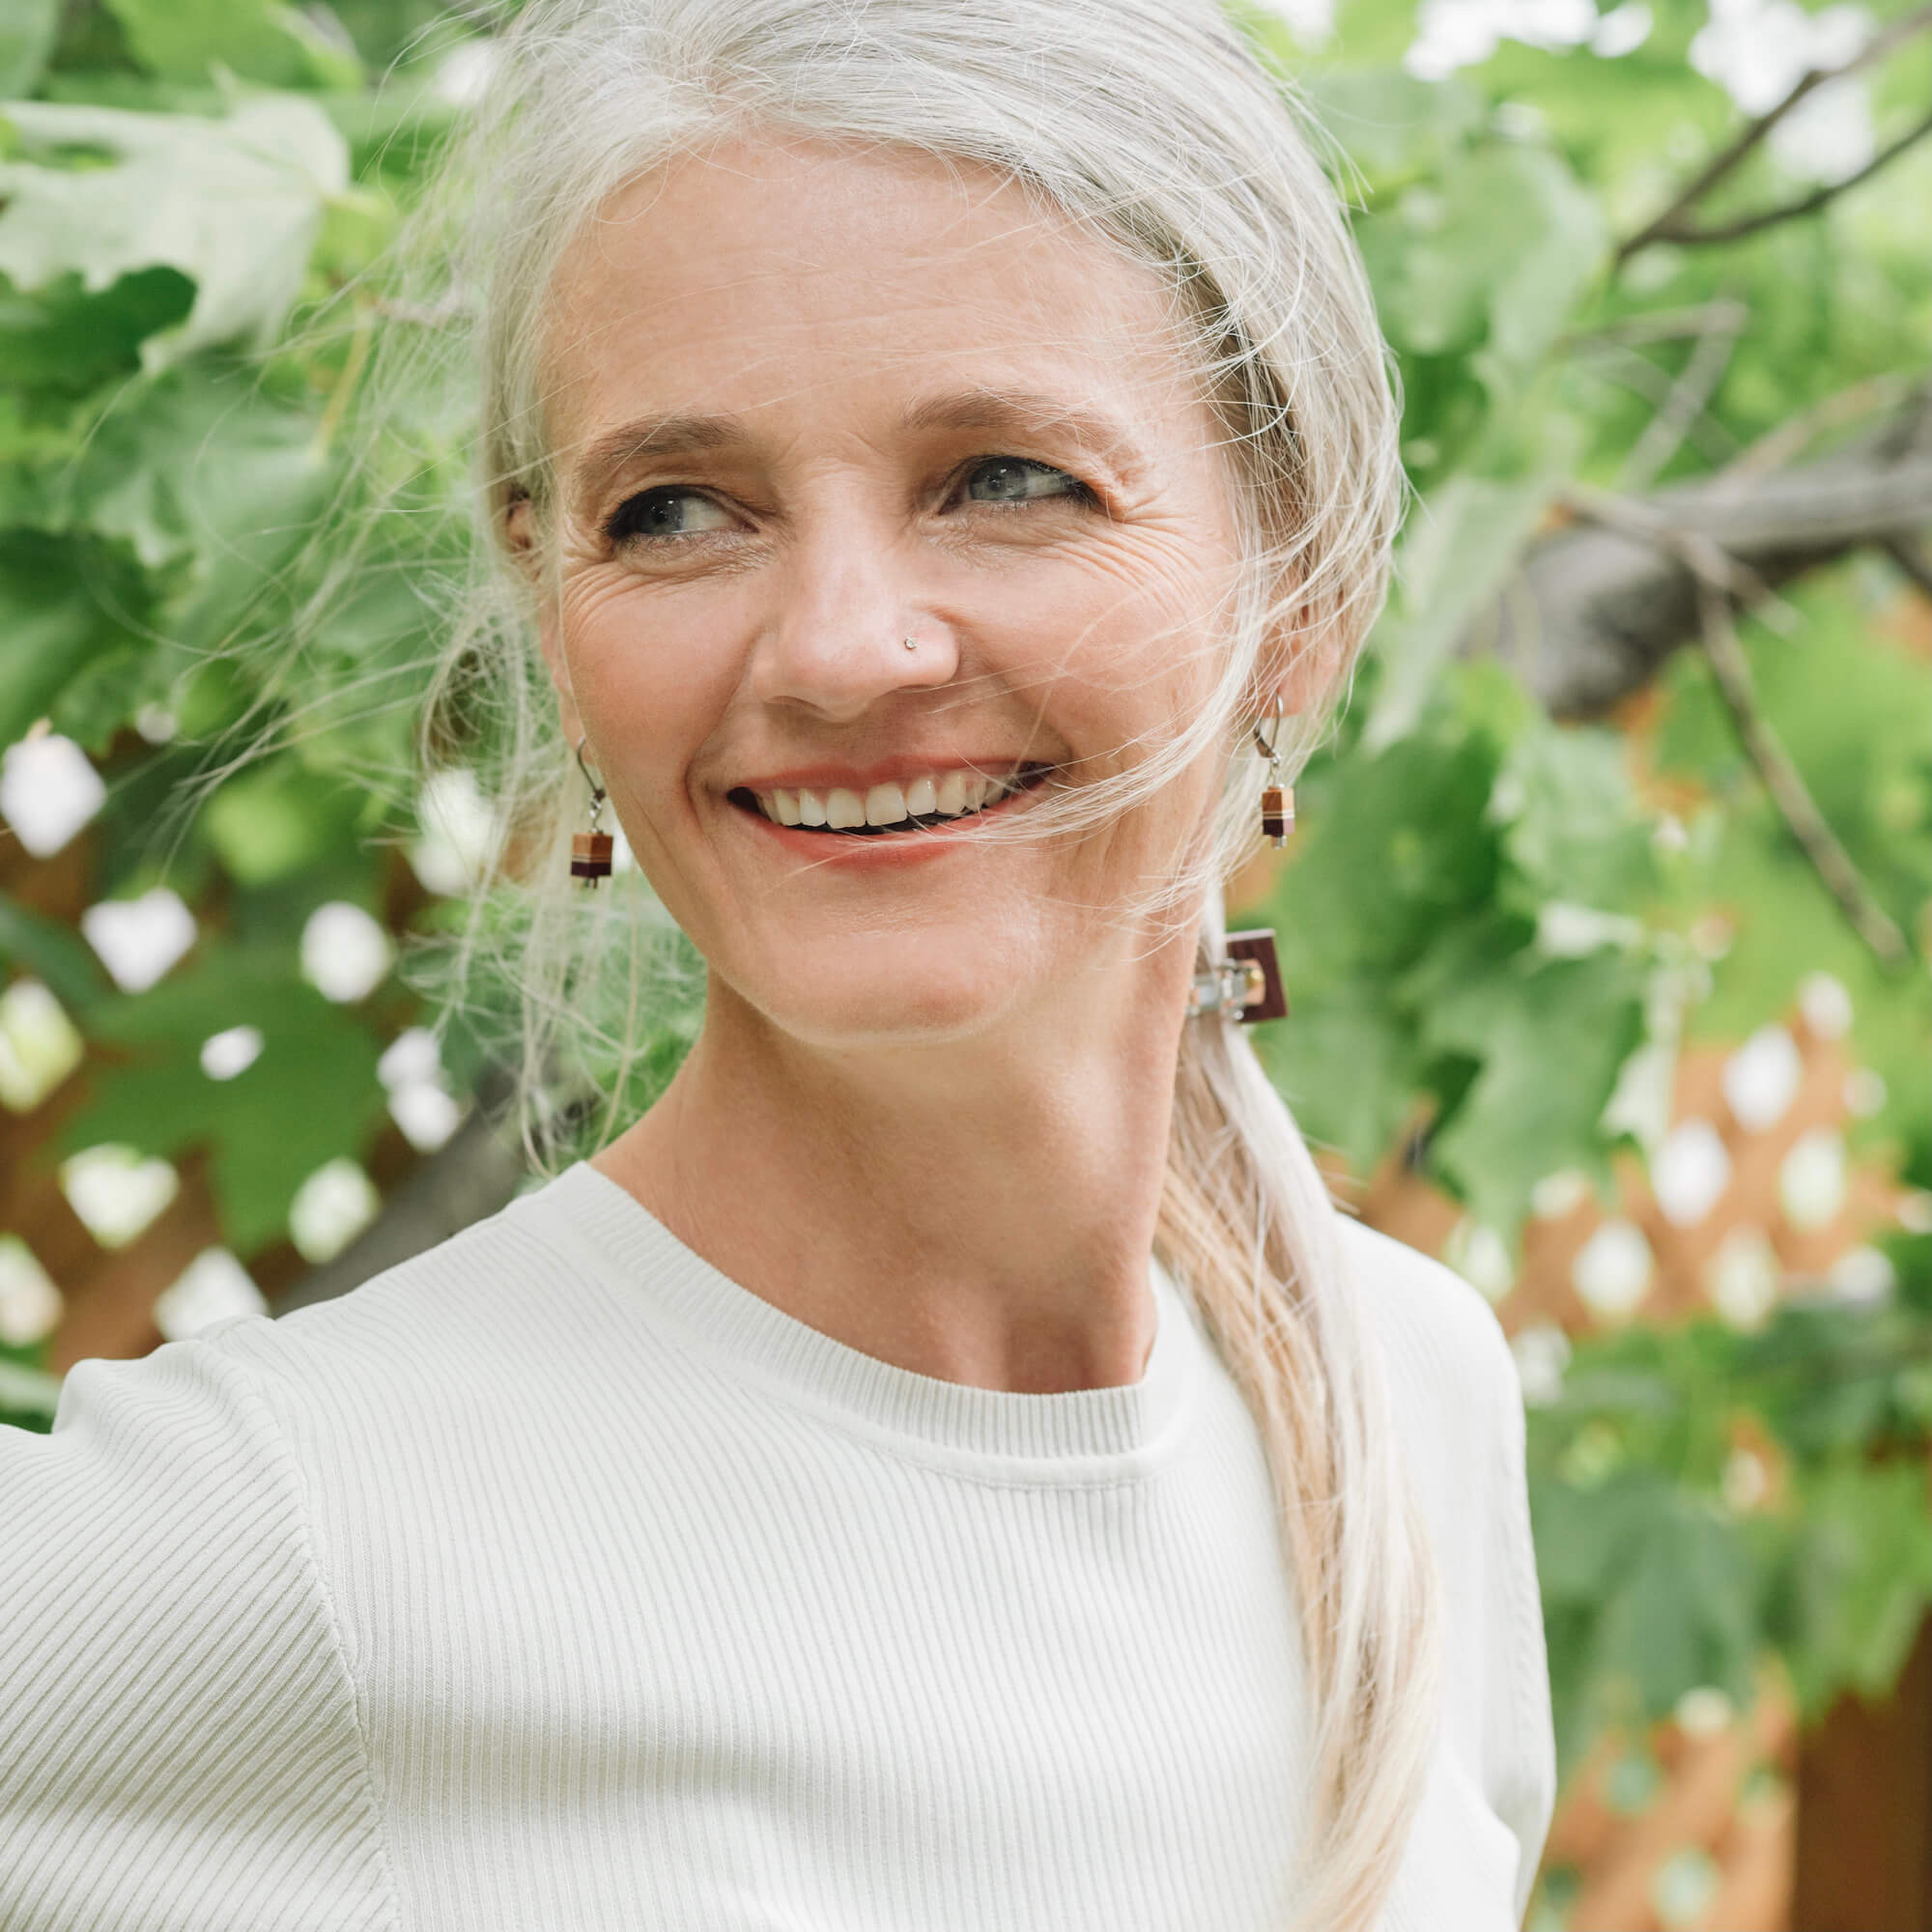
1349, 1067
28, 1398
53, 952
27, 30
234, 205
1551, 1040
106, 694
1849, 704
1432, 984
202, 470
1647, 1593
1585, 1538
1837, 1576
185, 39
62, 339
1682, 1614
1375, 30
1636, 126
1455, 552
277, 821
1861, 1578
310, 1096
1573, 829
1494, 253
52, 625
1410, 820
1392, 125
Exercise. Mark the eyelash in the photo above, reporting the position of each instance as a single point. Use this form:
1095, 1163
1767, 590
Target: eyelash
618, 526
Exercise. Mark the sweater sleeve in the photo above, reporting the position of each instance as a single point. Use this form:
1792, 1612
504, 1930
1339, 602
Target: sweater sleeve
180, 1745
1458, 1409
1521, 1740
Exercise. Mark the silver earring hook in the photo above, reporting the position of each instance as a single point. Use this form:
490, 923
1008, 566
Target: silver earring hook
1269, 747
597, 792
597, 789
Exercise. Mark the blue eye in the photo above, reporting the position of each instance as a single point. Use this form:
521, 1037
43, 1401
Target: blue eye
1016, 479
665, 513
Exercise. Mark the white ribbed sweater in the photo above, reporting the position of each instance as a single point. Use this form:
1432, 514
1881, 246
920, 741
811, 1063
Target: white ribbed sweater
553, 1581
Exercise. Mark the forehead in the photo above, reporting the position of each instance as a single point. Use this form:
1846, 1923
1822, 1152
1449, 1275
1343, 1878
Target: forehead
803, 282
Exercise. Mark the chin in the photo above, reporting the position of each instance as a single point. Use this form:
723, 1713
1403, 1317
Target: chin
896, 997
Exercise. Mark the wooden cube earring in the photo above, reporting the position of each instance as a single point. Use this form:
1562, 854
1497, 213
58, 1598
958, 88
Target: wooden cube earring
1277, 799
590, 850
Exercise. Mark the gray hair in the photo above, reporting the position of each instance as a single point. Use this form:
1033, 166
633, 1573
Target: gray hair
1153, 127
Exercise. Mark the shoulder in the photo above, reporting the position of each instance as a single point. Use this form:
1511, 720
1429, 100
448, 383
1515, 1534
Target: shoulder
205, 1416
165, 1625
171, 1466
1456, 1411
1448, 1363
225, 1461
177, 1464
476, 1350
487, 1294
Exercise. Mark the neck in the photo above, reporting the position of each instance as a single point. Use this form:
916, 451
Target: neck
979, 1211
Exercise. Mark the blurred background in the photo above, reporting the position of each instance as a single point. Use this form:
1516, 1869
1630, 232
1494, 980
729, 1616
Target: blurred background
1605, 932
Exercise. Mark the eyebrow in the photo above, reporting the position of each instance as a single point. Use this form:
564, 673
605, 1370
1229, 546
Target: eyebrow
1027, 416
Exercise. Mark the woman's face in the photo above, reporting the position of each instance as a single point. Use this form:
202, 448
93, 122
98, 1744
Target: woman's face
809, 403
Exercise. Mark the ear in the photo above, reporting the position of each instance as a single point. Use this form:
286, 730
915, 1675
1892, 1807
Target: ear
520, 539
1302, 663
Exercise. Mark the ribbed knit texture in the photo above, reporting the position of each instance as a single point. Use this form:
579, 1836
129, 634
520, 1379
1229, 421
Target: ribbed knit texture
553, 1581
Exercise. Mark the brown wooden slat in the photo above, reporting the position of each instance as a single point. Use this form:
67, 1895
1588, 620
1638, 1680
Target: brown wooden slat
1865, 1811
112, 1311
1695, 1808
1756, 1854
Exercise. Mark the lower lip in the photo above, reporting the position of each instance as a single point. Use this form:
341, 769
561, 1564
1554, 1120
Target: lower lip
879, 848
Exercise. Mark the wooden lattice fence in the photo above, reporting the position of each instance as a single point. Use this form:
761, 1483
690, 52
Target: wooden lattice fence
1748, 1196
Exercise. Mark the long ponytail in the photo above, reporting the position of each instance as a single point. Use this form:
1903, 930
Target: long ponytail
1247, 1222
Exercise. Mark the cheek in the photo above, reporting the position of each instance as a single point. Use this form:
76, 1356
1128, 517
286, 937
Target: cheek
1127, 637
651, 674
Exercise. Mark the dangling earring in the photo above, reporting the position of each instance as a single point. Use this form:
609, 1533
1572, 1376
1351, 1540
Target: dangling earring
1277, 799
590, 851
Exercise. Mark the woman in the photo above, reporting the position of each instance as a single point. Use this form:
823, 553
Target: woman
926, 445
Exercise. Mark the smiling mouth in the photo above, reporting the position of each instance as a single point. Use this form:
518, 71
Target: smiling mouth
918, 805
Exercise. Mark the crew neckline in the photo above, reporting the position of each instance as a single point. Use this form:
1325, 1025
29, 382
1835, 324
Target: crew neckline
1080, 1435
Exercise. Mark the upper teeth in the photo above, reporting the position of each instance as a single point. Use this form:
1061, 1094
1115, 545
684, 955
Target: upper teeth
937, 795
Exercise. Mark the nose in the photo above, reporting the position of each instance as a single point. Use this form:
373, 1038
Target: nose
847, 628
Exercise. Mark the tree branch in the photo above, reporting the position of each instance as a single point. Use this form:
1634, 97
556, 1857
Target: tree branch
1675, 531
1794, 435
1683, 405
1611, 362
1783, 781
1667, 325
1599, 607
1727, 160
1792, 210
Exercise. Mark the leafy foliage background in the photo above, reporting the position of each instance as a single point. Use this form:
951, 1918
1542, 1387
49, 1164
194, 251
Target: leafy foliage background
1489, 914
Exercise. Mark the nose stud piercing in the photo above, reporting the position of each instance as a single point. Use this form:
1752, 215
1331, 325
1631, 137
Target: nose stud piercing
911, 645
